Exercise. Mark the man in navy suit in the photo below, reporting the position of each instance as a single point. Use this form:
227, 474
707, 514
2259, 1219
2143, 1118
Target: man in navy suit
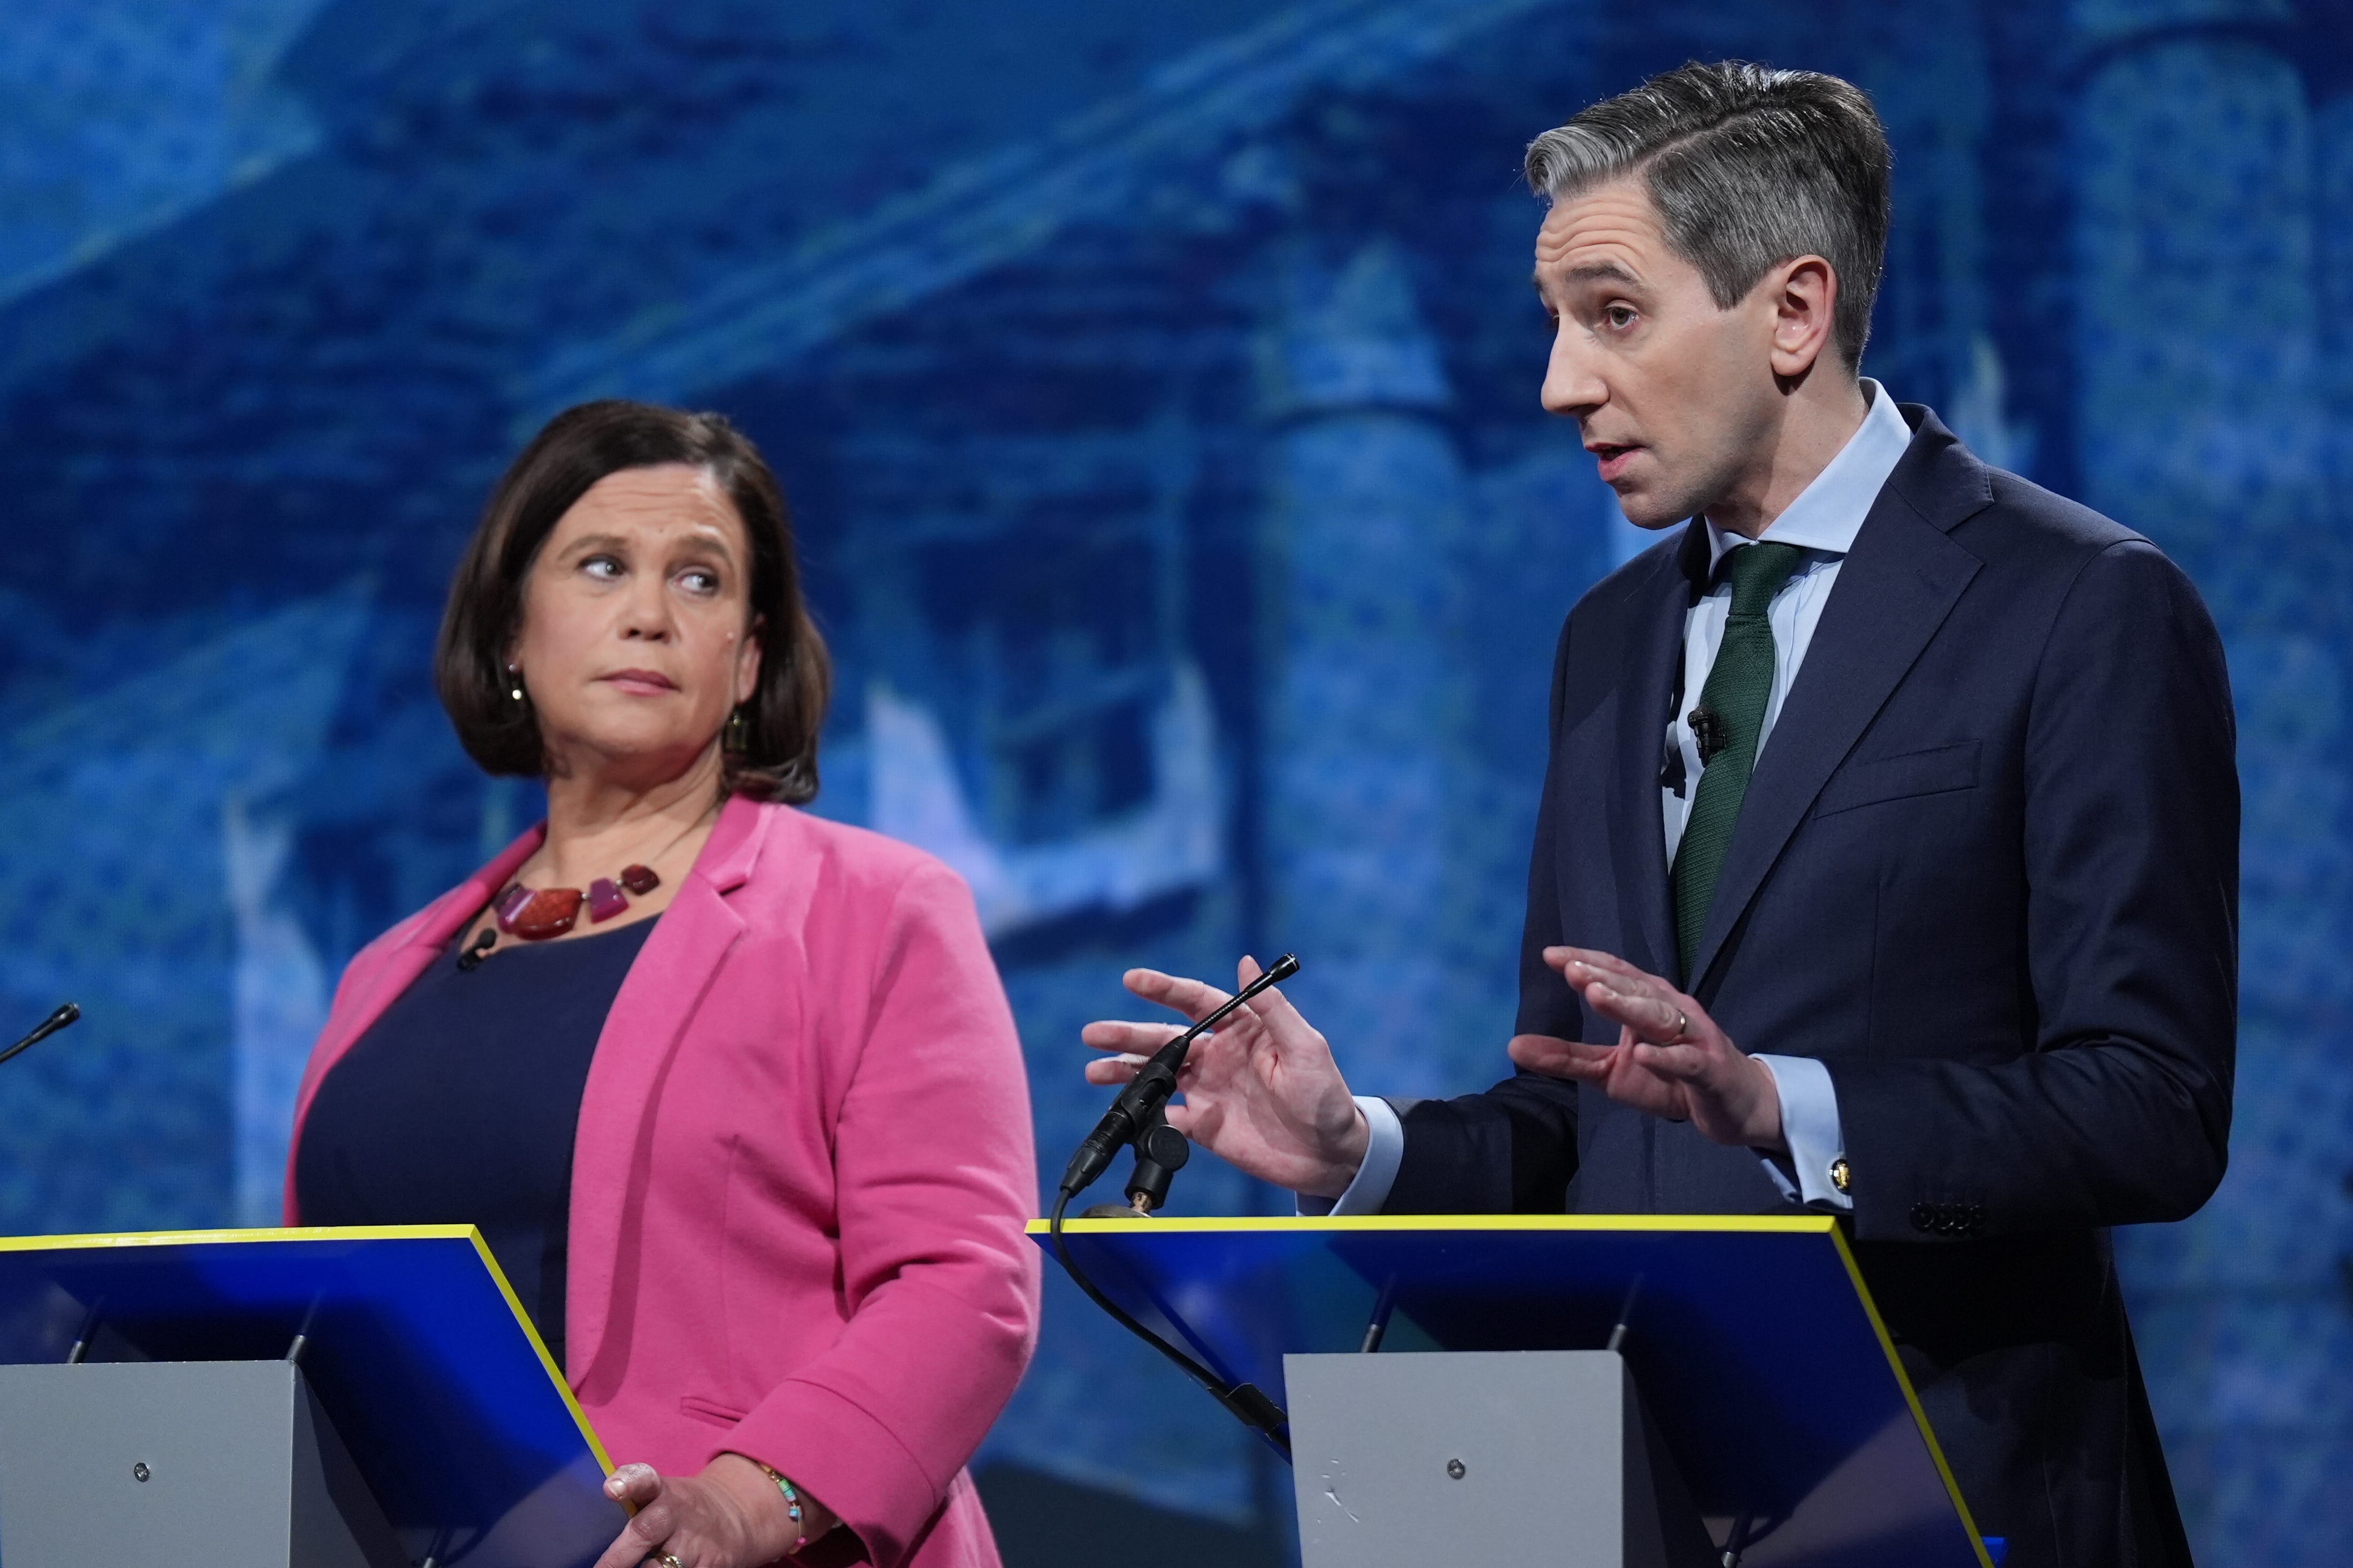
1887, 859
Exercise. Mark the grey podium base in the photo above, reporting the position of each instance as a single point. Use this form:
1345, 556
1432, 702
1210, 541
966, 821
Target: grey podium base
179, 1465
1508, 1459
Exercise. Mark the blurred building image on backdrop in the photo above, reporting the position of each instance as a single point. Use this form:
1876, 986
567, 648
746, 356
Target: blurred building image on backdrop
1154, 388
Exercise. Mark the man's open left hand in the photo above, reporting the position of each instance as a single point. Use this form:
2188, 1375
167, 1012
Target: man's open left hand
1670, 1061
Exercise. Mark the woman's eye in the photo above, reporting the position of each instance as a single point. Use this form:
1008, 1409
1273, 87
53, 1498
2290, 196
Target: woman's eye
1619, 316
603, 567
699, 581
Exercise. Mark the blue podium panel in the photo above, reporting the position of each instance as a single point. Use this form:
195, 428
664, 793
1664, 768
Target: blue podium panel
1752, 1341
413, 1342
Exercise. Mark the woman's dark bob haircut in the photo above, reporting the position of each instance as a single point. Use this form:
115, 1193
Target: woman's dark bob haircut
776, 756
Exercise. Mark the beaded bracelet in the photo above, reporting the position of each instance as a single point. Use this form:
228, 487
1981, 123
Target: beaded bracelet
792, 1503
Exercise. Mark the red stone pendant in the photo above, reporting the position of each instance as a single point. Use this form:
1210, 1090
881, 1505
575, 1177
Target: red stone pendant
639, 879
547, 913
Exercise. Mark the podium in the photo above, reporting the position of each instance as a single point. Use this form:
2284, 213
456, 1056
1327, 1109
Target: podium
370, 1397
1728, 1373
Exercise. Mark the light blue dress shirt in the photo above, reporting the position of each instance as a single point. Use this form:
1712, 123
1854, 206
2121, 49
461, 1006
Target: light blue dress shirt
1823, 522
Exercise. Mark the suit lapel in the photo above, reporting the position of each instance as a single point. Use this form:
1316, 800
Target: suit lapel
1637, 830
613, 1147
1897, 586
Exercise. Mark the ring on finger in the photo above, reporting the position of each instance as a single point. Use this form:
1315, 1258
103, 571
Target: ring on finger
667, 1560
1682, 1025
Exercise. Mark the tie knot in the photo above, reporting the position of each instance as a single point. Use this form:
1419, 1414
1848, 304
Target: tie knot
1757, 573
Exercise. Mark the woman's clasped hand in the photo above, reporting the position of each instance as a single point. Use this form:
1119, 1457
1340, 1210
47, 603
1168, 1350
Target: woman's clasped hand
733, 1515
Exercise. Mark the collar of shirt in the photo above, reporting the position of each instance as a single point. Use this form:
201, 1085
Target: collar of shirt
1829, 512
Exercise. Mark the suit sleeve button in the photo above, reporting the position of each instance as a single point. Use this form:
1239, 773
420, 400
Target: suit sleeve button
1923, 1217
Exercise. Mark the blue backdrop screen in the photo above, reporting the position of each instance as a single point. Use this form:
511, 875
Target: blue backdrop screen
1155, 387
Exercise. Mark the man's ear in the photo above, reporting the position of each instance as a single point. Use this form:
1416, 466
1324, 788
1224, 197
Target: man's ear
1804, 295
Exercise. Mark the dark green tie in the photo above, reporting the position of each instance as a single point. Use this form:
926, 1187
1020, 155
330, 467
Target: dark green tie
1727, 723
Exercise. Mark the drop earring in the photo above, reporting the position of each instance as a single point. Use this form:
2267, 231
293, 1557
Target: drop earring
739, 729
514, 683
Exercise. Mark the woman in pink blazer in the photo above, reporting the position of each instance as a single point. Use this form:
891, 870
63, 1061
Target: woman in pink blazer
733, 1092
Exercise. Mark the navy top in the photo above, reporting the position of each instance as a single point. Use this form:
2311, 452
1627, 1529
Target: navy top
460, 1104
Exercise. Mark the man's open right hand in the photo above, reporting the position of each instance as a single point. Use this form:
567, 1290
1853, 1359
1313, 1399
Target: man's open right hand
1261, 1092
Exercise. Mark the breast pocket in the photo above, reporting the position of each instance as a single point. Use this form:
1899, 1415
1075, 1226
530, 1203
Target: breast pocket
1940, 770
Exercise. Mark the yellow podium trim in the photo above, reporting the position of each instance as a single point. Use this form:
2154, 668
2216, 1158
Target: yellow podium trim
1786, 1224
1796, 1224
340, 1233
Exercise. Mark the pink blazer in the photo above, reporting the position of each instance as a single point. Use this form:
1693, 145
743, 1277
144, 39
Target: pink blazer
801, 1173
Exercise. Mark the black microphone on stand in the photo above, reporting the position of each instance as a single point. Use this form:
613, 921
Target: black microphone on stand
1135, 1117
47, 1026
1138, 1105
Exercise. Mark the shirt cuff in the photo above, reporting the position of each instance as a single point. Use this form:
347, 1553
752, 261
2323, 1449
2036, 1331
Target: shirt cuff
1377, 1175
1809, 1124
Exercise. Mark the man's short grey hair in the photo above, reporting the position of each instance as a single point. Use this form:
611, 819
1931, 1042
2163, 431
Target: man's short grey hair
1748, 168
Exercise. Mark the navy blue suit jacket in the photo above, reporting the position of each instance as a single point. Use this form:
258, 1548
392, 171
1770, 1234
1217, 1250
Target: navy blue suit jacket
1987, 871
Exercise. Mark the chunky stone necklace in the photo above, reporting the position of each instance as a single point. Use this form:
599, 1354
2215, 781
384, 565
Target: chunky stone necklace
537, 914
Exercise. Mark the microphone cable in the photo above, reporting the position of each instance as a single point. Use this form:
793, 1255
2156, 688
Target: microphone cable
1136, 1110
1245, 1401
